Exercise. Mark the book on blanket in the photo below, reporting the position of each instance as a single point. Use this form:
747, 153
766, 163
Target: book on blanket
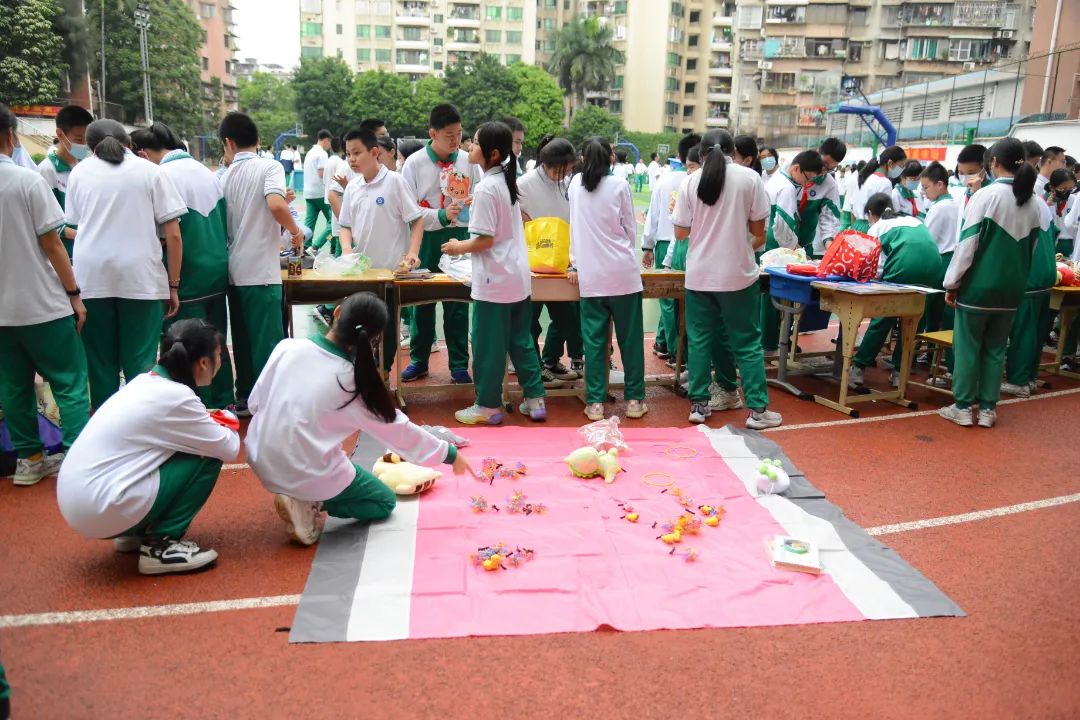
788, 553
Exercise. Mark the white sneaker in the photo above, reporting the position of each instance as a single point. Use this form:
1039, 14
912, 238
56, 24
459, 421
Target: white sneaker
855, 377
476, 415
699, 413
941, 381
594, 411
127, 543
435, 347
987, 418
28, 472
636, 409
894, 379
721, 399
173, 556
956, 415
1021, 391
534, 409
1032, 387
302, 518
763, 419
510, 369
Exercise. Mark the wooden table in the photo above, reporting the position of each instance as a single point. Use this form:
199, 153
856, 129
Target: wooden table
313, 289
1066, 300
852, 307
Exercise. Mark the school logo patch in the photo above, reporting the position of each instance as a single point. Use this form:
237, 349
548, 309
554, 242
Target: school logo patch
813, 193
380, 200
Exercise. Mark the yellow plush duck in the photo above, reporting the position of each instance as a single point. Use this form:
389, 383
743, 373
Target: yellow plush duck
402, 477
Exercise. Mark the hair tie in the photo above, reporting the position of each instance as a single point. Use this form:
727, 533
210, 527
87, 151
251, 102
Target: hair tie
359, 328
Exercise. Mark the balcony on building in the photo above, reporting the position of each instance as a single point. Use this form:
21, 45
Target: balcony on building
785, 15
718, 114
412, 61
719, 92
463, 39
720, 65
826, 48
453, 58
462, 15
412, 38
724, 15
412, 69
412, 12
721, 40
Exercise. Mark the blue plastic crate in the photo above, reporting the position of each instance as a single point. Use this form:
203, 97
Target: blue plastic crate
796, 288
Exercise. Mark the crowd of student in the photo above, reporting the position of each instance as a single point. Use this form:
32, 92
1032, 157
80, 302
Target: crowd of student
124, 257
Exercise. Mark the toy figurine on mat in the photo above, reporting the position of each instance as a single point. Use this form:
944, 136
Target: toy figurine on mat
313, 395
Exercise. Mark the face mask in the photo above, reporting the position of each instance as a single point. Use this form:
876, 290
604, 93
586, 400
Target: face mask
912, 185
79, 152
895, 171
768, 164
1062, 195
820, 179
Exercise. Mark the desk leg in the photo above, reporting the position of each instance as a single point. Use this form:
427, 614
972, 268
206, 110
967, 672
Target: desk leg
398, 367
789, 317
849, 322
680, 315
908, 328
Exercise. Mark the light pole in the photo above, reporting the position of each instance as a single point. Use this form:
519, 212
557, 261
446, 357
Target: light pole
142, 22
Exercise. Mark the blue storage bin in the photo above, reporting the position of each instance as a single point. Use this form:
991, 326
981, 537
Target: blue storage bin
796, 288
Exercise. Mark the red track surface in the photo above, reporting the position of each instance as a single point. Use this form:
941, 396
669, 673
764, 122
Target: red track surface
1015, 655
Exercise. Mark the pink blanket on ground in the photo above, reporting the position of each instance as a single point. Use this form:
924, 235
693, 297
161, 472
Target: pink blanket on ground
591, 567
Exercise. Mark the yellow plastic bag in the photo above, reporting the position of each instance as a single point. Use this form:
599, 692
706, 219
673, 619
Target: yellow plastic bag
548, 242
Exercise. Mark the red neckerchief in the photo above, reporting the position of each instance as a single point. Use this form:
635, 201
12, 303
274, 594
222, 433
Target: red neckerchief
879, 174
1061, 207
804, 196
914, 207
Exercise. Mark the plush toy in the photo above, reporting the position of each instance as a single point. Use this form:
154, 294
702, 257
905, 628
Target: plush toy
588, 462
402, 477
772, 480
1065, 274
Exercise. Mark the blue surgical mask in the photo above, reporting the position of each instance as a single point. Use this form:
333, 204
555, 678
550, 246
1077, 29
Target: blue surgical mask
895, 171
768, 164
911, 185
78, 151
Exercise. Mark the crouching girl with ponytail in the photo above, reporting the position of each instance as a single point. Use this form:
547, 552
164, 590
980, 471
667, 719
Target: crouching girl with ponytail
314, 394
150, 456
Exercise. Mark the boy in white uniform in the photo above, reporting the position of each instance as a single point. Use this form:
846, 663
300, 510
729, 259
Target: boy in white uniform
314, 188
71, 123
256, 207
335, 167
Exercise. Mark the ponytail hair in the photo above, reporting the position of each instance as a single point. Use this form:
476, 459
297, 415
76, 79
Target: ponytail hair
715, 146
158, 137
361, 320
1010, 155
893, 153
746, 146
108, 140
544, 142
595, 162
880, 206
185, 343
497, 136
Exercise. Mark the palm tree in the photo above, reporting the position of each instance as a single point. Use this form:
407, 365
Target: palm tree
584, 58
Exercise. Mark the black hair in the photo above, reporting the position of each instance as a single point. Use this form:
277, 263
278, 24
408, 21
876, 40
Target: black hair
860, 165
693, 155
408, 147
766, 149
365, 135
73, 116
324, 135
386, 143
1032, 149
747, 146
372, 124
912, 168
108, 140
361, 321
558, 152
239, 128
1050, 153
543, 143
621, 155
880, 205
514, 124
686, 143
443, 115
498, 137
936, 172
1070, 162
833, 147
1059, 176
157, 137
8, 121
809, 161
972, 154
714, 147
893, 153
595, 162
1009, 153
655, 156
185, 343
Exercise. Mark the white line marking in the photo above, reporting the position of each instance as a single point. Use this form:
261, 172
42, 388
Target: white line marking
973, 516
906, 415
145, 611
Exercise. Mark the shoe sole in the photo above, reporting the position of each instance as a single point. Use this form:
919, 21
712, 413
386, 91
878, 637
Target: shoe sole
210, 559
594, 418
414, 378
282, 507
636, 415
956, 421
726, 406
698, 420
493, 420
27, 481
762, 425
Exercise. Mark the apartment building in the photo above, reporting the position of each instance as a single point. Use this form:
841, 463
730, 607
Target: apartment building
217, 53
417, 37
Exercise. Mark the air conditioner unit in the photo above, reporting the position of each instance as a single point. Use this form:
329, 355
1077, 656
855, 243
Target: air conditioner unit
969, 66
745, 97
1006, 34
764, 65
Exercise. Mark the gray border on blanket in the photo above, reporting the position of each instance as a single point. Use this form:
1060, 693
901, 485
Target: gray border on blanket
326, 603
911, 585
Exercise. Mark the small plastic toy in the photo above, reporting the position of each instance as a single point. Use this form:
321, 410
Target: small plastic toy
491, 557
479, 504
402, 477
588, 462
490, 468
711, 515
772, 479
517, 505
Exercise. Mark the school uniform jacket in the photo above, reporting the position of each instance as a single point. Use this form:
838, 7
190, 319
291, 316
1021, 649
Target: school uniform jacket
204, 271
908, 251
783, 229
943, 221
819, 220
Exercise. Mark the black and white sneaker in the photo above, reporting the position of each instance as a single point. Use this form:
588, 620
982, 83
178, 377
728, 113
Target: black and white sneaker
699, 412
562, 372
173, 556
550, 381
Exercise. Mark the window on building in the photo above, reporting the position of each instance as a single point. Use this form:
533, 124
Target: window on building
494, 12
515, 13
382, 55
382, 8
964, 50
615, 107
925, 49
618, 82
688, 111
854, 52
438, 18
549, 45
207, 10
671, 84
412, 33
511, 59
826, 14
692, 41
620, 7
438, 65
310, 52
549, 23
691, 88
438, 42
412, 57
695, 16
972, 105
493, 36
691, 63
337, 29
204, 37
859, 17
205, 63
889, 50
340, 54
309, 6
513, 37
363, 31
677, 10
363, 7
673, 59
671, 108
779, 82
382, 31
749, 18
363, 54
311, 29
551, 4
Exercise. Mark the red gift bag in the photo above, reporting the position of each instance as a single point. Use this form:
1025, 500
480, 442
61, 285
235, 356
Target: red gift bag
852, 254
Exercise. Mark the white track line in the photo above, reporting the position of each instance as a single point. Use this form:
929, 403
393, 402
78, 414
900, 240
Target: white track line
145, 611
972, 516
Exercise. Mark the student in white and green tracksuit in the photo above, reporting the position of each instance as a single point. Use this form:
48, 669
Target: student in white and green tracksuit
315, 189
910, 256
987, 277
149, 458
118, 202
603, 236
657, 243
71, 124
819, 221
204, 273
41, 312
255, 208
942, 220
294, 442
719, 209
906, 198
1032, 321
876, 177
501, 283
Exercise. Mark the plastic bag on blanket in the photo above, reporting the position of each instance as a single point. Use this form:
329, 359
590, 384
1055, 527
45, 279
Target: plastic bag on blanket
459, 267
852, 254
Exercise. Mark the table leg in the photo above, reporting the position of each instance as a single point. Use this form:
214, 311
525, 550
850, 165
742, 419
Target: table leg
1065, 318
789, 316
680, 318
849, 322
908, 328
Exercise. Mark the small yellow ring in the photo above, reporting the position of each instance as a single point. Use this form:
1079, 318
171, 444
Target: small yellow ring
646, 476
672, 451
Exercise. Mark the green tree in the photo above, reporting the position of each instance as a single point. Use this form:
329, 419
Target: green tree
31, 52
323, 87
584, 58
383, 95
539, 102
593, 120
173, 43
271, 103
427, 93
70, 25
482, 90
